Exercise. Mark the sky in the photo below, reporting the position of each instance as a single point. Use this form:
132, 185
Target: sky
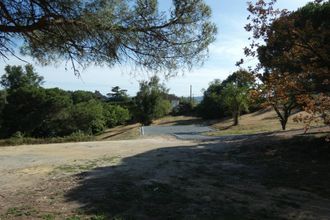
230, 18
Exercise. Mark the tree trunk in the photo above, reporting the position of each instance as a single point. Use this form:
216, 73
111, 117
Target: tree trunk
235, 116
283, 123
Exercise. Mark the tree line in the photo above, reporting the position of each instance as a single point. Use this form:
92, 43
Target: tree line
28, 109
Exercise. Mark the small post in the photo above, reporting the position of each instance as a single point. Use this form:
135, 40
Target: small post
142, 131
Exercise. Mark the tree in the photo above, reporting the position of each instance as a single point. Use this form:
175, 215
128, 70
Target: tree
241, 78
236, 99
3, 101
279, 92
150, 102
294, 57
117, 94
115, 115
16, 77
87, 117
110, 32
24, 111
82, 96
211, 106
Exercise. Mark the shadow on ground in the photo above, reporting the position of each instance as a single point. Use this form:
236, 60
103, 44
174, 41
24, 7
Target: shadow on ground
261, 178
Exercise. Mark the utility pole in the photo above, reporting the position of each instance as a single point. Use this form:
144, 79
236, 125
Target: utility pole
190, 98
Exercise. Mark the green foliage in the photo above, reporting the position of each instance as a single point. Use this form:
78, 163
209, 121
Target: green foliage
231, 95
19, 139
25, 111
162, 108
150, 101
87, 117
115, 115
3, 101
118, 95
109, 32
82, 96
241, 78
32, 111
16, 77
212, 106
236, 99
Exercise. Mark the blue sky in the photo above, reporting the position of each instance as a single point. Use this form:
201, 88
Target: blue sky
228, 15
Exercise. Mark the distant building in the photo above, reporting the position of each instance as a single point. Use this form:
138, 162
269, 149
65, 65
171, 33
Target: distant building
175, 102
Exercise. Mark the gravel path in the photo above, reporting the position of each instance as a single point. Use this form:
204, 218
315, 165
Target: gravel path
184, 132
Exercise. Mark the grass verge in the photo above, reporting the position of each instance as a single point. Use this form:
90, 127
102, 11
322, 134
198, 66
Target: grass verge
76, 137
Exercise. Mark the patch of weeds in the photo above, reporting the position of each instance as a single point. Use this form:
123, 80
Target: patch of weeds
73, 218
48, 217
21, 211
100, 217
88, 165
18, 139
80, 211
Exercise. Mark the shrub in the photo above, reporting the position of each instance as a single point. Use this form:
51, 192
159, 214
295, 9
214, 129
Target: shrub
115, 115
87, 117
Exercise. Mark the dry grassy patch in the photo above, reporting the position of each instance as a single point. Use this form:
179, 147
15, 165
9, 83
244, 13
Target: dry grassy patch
257, 122
123, 132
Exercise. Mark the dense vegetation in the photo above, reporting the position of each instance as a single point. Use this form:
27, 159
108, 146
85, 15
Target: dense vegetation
151, 102
229, 97
30, 110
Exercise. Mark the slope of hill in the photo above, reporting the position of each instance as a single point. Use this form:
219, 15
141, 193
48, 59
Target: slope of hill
258, 122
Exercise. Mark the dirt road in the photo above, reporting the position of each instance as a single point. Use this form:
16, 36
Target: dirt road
25, 165
165, 178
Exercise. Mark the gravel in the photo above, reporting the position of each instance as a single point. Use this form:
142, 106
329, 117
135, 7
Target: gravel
185, 132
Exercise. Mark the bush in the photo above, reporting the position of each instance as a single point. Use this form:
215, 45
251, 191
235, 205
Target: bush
115, 115
162, 108
87, 117
211, 107
20, 139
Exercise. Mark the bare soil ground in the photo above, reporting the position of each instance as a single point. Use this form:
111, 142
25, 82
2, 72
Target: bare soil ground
261, 177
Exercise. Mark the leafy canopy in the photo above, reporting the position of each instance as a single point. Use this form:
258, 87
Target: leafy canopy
16, 77
150, 101
108, 32
294, 57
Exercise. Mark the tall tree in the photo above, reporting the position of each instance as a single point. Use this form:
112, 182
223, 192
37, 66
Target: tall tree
150, 101
16, 77
110, 32
236, 99
117, 94
241, 78
294, 53
212, 106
